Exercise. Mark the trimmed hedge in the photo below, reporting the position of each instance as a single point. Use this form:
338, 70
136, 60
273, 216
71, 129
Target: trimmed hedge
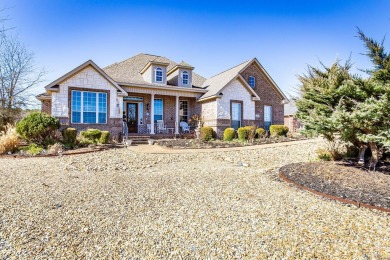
206, 133
278, 130
229, 134
91, 135
104, 137
69, 136
242, 133
260, 132
38, 128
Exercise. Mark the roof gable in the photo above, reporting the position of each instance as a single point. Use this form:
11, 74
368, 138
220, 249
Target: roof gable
216, 83
53, 86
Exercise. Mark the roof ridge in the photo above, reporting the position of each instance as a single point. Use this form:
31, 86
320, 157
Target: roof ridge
229, 69
141, 53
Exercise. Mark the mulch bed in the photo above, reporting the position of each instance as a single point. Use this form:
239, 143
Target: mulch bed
343, 180
195, 144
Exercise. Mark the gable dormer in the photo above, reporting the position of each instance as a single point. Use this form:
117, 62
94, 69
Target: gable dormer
155, 72
181, 75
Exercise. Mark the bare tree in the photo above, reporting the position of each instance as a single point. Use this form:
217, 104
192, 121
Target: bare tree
18, 74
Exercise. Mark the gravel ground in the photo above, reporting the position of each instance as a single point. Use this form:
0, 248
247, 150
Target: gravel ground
124, 204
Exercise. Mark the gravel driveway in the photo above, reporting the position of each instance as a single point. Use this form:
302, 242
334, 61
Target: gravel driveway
226, 204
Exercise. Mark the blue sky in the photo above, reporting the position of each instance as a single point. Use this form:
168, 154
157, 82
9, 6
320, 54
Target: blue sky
212, 36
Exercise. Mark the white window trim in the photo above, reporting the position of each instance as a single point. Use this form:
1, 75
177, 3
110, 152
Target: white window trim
155, 75
82, 108
182, 78
254, 81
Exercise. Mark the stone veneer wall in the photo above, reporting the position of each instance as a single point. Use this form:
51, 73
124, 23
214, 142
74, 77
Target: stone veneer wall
90, 80
269, 96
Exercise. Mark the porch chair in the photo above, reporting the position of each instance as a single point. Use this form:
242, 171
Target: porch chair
161, 128
185, 128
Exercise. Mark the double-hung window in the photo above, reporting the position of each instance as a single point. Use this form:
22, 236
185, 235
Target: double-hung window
159, 75
252, 81
185, 77
89, 107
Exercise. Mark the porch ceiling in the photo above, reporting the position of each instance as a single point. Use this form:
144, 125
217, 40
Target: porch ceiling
166, 91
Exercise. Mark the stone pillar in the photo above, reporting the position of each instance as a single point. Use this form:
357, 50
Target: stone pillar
152, 114
177, 116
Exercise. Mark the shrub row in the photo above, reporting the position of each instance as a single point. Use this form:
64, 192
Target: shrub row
250, 132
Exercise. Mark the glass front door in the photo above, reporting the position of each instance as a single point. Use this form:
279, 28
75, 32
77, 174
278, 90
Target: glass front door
236, 115
267, 117
132, 117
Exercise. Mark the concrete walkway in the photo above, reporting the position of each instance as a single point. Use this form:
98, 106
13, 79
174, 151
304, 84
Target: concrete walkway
157, 149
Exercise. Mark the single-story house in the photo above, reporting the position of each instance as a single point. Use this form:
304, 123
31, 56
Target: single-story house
290, 120
146, 88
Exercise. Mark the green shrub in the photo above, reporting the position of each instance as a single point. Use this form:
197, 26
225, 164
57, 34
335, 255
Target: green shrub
242, 133
278, 130
69, 136
229, 134
260, 132
92, 135
206, 133
33, 149
38, 128
104, 137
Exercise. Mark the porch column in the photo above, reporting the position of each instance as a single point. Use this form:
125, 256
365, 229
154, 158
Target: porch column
177, 116
152, 114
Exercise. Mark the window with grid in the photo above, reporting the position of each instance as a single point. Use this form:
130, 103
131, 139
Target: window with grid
185, 78
159, 75
89, 107
252, 81
158, 110
183, 111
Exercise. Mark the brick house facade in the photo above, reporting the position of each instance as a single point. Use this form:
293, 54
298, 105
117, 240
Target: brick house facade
146, 88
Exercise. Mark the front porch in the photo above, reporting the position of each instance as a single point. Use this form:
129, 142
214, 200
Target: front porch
143, 111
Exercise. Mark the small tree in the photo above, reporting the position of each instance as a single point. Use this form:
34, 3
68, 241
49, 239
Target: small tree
18, 74
334, 102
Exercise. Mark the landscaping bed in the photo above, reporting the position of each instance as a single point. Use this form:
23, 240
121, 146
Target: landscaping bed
343, 180
196, 144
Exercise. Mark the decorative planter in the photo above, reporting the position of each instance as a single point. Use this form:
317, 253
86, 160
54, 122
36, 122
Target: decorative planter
150, 141
128, 142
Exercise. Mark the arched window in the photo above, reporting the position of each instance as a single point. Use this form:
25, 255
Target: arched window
159, 75
185, 77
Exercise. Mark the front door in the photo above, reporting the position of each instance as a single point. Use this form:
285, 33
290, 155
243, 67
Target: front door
132, 117
236, 115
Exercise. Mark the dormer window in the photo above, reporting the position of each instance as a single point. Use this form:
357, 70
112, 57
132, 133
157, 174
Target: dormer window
185, 77
252, 82
159, 75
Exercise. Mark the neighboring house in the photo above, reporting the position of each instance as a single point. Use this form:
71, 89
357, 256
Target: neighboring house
146, 88
293, 123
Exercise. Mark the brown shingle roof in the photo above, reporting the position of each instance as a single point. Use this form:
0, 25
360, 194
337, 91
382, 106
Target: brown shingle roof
217, 82
128, 71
